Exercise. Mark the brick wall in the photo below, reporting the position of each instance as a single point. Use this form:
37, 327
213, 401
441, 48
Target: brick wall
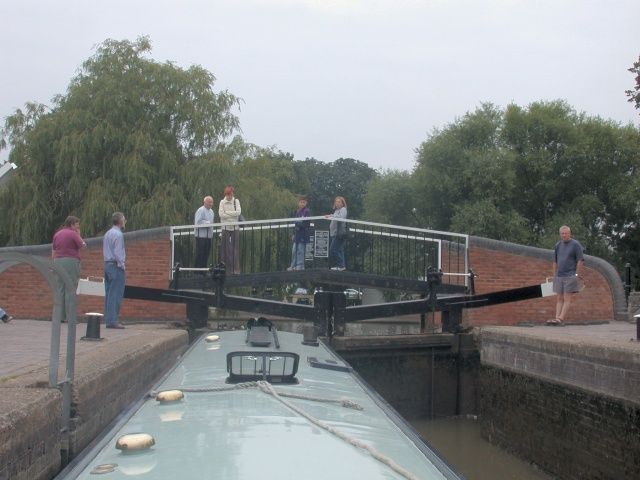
501, 266
24, 293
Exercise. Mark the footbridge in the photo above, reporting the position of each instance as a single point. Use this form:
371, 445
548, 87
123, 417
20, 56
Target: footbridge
418, 271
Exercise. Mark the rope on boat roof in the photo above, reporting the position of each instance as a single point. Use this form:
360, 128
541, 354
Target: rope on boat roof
267, 388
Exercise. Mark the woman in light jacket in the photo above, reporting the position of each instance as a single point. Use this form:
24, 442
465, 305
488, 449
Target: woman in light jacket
230, 212
338, 234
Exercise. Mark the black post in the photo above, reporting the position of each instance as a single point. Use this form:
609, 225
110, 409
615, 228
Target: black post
627, 281
322, 308
218, 274
434, 279
472, 282
339, 305
176, 276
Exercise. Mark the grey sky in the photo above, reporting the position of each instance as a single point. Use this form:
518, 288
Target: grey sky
345, 78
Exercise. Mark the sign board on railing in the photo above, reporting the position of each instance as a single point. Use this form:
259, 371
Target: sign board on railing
321, 244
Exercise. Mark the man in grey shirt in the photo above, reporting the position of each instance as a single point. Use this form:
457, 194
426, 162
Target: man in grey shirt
204, 215
567, 265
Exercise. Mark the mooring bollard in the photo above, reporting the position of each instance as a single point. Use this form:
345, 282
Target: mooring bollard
93, 326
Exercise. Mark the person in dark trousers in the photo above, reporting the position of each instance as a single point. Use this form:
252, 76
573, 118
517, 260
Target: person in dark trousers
65, 251
204, 215
338, 234
300, 236
230, 212
114, 270
567, 265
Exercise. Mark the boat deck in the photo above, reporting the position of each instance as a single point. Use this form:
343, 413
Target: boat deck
245, 433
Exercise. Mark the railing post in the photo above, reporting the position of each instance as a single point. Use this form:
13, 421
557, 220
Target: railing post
627, 282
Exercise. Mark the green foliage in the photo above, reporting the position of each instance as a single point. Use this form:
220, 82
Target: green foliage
121, 138
634, 94
390, 199
324, 181
521, 173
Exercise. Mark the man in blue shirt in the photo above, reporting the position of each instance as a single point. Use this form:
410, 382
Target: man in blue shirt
567, 265
114, 276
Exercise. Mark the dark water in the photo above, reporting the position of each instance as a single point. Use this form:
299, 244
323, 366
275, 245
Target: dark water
458, 440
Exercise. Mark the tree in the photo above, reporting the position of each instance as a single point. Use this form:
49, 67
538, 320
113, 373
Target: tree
634, 94
521, 173
390, 199
324, 181
117, 140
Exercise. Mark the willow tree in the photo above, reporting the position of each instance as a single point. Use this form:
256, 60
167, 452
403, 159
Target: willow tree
117, 140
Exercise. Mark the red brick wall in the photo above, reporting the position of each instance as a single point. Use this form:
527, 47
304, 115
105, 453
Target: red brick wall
502, 270
24, 293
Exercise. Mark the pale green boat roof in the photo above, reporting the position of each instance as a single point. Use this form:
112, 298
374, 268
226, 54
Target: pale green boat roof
249, 434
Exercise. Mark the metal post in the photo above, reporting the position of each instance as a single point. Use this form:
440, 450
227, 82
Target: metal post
322, 308
627, 282
472, 282
339, 304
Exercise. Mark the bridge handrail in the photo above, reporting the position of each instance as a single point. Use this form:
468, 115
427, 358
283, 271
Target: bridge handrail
322, 217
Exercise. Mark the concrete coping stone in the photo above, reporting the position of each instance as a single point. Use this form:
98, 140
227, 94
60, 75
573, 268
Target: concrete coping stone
597, 349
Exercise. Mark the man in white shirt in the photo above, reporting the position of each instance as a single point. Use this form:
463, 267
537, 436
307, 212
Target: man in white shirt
204, 215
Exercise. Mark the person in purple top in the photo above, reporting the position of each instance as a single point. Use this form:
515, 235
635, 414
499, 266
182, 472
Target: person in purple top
567, 265
65, 251
114, 270
300, 235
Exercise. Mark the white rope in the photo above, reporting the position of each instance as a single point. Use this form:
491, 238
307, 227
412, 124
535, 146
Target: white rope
266, 387
344, 402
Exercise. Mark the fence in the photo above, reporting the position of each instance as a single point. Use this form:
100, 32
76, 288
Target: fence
372, 248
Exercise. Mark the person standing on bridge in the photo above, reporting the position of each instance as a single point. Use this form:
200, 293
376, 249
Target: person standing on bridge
338, 234
65, 251
230, 212
567, 265
114, 270
300, 235
204, 215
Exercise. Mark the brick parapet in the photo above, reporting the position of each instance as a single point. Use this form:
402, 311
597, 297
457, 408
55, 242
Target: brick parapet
25, 294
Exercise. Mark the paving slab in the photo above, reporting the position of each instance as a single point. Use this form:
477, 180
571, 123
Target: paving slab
25, 344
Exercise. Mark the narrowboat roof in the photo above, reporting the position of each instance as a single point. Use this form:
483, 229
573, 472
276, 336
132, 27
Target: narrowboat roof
240, 430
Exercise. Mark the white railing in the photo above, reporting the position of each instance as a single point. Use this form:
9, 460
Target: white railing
371, 247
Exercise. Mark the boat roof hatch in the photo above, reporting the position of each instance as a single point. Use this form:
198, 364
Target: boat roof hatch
274, 367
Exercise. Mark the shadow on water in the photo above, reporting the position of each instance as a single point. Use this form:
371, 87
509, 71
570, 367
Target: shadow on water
458, 440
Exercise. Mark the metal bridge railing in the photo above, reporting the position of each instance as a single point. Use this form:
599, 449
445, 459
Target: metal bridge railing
373, 248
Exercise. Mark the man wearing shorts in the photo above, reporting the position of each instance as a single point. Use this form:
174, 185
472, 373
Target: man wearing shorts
567, 265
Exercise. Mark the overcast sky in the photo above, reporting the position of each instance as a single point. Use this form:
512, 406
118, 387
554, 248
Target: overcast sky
367, 79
